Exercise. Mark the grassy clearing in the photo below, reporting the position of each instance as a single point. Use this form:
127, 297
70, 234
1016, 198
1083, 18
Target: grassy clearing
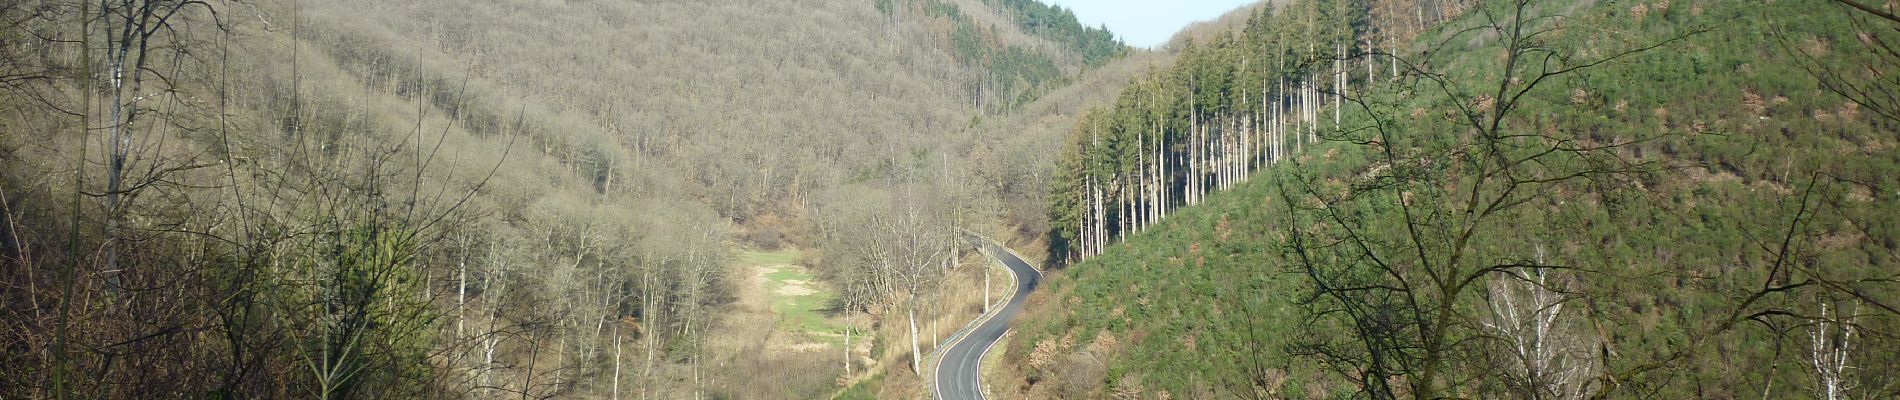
796, 298
798, 301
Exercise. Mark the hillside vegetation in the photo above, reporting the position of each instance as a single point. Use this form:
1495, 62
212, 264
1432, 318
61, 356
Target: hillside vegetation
1526, 199
440, 199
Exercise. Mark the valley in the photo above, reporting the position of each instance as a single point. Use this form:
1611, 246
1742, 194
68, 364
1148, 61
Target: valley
949, 199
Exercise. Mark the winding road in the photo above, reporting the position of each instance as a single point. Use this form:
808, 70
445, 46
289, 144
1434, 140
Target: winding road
959, 371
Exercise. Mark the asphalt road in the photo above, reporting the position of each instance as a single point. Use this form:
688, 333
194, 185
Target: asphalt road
958, 372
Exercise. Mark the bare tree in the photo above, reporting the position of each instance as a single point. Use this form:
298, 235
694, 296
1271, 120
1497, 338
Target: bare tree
1864, 77
917, 240
137, 32
1545, 353
1401, 279
1830, 341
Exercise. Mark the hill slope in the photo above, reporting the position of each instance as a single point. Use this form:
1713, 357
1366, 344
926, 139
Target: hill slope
1699, 219
455, 199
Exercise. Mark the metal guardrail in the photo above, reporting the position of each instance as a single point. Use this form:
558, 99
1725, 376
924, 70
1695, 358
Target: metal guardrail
935, 357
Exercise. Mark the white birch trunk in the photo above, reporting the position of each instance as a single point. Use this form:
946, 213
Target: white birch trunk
916, 355
1393, 58
847, 352
1548, 357
616, 393
646, 309
1339, 92
1830, 340
461, 291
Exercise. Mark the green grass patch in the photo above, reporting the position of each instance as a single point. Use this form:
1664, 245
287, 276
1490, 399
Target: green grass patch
795, 296
799, 301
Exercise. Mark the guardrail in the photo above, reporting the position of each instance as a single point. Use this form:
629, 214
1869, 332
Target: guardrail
983, 245
1011, 252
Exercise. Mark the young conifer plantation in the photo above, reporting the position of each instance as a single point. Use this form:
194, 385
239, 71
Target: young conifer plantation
759, 199
1484, 199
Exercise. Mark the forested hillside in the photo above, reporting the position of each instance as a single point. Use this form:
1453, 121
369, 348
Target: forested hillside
1485, 199
1550, 199
436, 199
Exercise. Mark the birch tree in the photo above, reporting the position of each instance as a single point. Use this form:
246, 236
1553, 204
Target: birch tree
917, 239
1397, 257
1544, 353
137, 33
1830, 342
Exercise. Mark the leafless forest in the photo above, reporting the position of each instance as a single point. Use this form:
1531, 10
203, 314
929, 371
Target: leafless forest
441, 199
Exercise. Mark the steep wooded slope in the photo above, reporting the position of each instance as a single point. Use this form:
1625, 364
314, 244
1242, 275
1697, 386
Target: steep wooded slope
1700, 219
444, 199
757, 103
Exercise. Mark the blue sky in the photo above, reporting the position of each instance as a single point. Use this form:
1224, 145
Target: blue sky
1147, 23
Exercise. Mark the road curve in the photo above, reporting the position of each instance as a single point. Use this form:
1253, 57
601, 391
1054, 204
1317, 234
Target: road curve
958, 373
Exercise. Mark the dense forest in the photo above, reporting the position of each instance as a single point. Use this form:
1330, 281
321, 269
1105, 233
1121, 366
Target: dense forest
1539, 199
1485, 199
519, 199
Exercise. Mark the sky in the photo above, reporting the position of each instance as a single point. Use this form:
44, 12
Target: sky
1147, 23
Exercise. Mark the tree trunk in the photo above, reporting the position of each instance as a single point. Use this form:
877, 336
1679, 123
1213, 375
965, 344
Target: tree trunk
1339, 95
1236, 145
1299, 122
646, 310
847, 352
1419, 20
697, 393
1165, 159
1274, 128
1266, 126
1217, 154
1312, 109
488, 363
1394, 57
607, 186
117, 142
1141, 180
560, 357
1200, 161
1369, 62
1085, 222
1229, 142
916, 355
1121, 208
1194, 150
616, 395
1158, 158
1244, 158
1101, 219
461, 289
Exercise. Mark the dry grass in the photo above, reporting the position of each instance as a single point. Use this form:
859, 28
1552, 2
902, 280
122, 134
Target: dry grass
761, 353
